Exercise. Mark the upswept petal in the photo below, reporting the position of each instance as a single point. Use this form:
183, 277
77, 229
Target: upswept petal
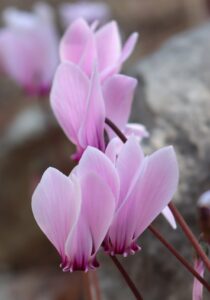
78, 247
169, 217
138, 130
92, 127
96, 161
56, 205
154, 188
69, 98
98, 205
113, 149
128, 164
129, 47
89, 56
118, 92
75, 41
108, 45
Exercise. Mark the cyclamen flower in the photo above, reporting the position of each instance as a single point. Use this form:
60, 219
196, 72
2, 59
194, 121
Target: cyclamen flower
75, 213
85, 46
28, 48
144, 188
81, 104
90, 11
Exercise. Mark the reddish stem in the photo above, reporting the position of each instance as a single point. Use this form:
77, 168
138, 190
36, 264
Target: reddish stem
126, 277
179, 257
189, 234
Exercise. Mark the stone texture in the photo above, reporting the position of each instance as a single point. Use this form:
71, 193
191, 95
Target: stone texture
173, 101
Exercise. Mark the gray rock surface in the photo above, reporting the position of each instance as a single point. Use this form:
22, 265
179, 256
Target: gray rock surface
173, 101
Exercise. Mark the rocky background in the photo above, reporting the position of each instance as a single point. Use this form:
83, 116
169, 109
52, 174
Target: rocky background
173, 101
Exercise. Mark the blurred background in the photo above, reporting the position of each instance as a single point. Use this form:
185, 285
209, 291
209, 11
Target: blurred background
172, 64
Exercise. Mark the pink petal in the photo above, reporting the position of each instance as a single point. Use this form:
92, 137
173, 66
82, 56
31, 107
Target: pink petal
197, 293
138, 130
169, 217
108, 45
155, 187
92, 127
98, 206
78, 247
56, 205
89, 56
118, 94
96, 161
69, 98
129, 47
128, 163
113, 149
75, 41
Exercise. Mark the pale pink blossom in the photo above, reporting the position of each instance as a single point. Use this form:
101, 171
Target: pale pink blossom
84, 45
74, 212
81, 104
29, 48
144, 188
90, 11
115, 146
197, 293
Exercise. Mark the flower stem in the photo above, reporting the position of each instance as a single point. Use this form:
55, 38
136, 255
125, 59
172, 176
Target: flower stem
179, 257
126, 277
189, 235
116, 130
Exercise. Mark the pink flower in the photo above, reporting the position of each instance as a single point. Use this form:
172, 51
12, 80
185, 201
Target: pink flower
74, 212
81, 104
90, 11
28, 48
197, 286
84, 46
144, 188
115, 146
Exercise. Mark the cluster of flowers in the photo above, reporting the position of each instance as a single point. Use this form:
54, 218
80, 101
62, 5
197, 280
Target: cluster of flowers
29, 42
115, 192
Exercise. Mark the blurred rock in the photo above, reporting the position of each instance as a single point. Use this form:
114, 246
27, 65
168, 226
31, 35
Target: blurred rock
32, 143
173, 101
27, 124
